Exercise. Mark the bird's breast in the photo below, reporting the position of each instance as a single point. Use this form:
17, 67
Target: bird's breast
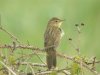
61, 32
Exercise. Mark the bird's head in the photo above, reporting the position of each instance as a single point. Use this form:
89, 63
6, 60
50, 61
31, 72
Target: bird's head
55, 22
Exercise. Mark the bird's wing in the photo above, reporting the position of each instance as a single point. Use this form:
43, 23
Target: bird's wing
52, 38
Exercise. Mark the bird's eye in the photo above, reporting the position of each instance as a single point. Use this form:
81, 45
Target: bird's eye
56, 21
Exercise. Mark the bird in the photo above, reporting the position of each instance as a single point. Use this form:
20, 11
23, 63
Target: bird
52, 38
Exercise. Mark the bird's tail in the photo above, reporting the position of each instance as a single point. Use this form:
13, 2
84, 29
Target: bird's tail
51, 58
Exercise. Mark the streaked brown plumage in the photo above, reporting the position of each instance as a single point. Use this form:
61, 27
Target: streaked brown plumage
52, 38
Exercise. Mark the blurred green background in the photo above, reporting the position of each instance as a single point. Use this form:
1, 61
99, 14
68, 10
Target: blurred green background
27, 19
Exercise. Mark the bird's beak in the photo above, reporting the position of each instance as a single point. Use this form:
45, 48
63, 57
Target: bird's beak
61, 21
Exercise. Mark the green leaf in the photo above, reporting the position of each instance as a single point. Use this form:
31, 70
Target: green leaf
53, 73
75, 69
11, 59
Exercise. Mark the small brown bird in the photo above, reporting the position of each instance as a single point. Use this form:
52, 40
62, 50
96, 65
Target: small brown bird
52, 37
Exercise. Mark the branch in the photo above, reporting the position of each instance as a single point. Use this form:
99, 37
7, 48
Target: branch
80, 62
12, 36
51, 71
32, 64
21, 47
8, 68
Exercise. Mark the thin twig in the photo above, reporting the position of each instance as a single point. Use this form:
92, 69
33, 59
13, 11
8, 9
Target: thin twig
33, 72
58, 54
40, 58
12, 36
33, 64
79, 62
8, 68
50, 71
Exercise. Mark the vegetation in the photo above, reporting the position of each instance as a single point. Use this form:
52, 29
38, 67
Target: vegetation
22, 26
